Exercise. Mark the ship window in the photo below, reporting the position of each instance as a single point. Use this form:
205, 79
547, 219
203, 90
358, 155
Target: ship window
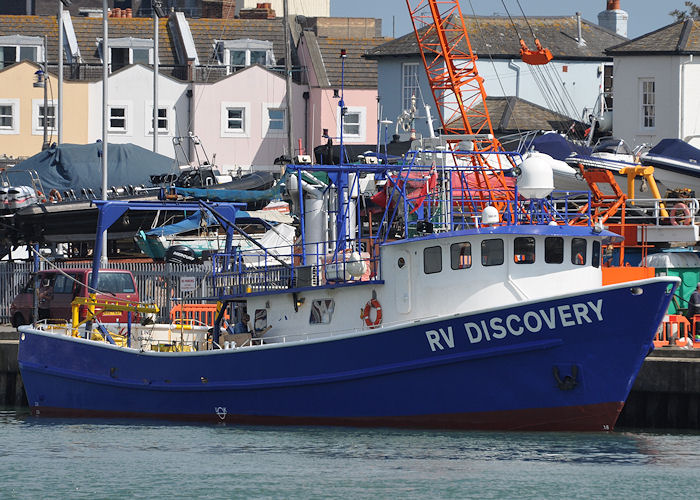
524, 250
432, 260
578, 251
260, 324
595, 257
321, 311
461, 255
554, 250
492, 252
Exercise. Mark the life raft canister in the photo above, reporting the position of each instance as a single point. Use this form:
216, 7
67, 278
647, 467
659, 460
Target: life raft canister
680, 214
365, 314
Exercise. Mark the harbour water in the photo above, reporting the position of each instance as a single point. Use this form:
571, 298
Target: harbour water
62, 458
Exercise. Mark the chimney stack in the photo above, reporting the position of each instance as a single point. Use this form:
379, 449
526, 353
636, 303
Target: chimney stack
613, 18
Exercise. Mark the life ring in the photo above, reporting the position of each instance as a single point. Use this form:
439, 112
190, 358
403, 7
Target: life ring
372, 304
680, 212
55, 195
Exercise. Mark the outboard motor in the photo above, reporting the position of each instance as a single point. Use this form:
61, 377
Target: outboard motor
180, 254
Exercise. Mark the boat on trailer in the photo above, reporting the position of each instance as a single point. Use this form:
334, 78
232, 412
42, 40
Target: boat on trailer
466, 304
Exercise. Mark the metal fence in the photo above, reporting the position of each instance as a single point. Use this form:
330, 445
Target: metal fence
158, 282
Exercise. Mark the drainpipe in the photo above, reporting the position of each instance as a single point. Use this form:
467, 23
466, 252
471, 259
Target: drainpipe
306, 95
681, 91
516, 68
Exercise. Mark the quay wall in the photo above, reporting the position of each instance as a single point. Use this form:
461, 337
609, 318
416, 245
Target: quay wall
666, 394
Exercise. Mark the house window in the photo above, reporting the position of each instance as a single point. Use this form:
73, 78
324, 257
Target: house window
275, 117
49, 119
6, 116
492, 252
608, 86
648, 97
125, 51
235, 119
117, 119
15, 48
432, 260
9, 116
162, 119
461, 255
351, 124
409, 84
237, 54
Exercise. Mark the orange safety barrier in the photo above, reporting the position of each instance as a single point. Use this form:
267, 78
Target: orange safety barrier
674, 328
204, 314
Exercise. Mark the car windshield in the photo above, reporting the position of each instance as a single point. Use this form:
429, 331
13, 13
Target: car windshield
114, 282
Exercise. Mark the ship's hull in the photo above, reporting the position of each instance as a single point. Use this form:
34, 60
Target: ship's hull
562, 364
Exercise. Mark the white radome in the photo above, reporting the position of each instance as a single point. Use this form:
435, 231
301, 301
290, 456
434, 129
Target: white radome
536, 178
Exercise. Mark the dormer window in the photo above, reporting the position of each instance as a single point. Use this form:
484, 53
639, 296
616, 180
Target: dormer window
125, 51
15, 48
238, 54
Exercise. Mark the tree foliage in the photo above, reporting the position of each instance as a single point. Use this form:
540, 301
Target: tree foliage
693, 11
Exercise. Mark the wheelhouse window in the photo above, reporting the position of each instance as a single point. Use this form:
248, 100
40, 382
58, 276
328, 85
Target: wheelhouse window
595, 254
578, 251
524, 250
648, 103
432, 260
492, 252
554, 250
461, 255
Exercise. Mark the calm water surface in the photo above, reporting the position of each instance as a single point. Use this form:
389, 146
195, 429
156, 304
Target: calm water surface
60, 458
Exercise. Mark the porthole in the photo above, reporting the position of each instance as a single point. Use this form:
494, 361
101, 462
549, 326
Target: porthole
401, 262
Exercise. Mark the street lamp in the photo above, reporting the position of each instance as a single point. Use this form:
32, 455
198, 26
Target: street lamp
42, 77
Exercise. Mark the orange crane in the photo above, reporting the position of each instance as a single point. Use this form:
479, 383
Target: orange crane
457, 87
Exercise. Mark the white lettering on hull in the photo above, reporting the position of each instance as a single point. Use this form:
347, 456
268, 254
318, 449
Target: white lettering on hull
497, 328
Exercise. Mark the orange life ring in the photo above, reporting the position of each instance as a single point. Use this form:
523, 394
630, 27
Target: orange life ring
55, 195
680, 212
372, 304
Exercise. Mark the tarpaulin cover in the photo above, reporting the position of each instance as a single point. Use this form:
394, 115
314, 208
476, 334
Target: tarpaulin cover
676, 149
558, 147
77, 166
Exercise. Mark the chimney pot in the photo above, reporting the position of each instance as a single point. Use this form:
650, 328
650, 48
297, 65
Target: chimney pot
613, 5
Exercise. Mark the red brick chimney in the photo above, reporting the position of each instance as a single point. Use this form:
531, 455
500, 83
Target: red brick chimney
218, 9
262, 11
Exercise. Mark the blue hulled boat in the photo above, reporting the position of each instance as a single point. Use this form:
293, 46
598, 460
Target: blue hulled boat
462, 301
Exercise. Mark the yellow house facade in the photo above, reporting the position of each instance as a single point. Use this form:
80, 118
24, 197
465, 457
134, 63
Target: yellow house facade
22, 111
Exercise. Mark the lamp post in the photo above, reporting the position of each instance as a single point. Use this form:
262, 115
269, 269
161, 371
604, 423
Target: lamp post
59, 114
42, 77
157, 7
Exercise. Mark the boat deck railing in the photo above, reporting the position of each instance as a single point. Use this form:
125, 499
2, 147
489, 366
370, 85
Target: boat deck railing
290, 268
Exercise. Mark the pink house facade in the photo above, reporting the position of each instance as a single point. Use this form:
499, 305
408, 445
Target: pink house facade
242, 117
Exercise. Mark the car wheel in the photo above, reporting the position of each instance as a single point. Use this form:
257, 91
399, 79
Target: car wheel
18, 320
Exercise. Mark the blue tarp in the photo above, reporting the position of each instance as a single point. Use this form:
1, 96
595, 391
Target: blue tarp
676, 149
189, 224
77, 166
558, 147
230, 194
